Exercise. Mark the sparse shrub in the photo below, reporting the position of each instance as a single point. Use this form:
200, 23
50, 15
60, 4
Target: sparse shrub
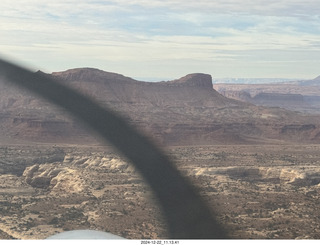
54, 221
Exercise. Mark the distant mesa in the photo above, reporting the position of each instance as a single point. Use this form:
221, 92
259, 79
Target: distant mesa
196, 80
313, 82
310, 82
92, 74
278, 97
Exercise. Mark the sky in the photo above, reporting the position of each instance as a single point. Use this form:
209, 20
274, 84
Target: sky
165, 39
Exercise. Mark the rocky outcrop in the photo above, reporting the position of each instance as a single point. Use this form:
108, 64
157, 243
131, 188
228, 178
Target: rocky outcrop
291, 175
55, 177
67, 176
67, 181
193, 80
298, 176
40, 176
103, 162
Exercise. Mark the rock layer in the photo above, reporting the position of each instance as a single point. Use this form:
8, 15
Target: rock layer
186, 111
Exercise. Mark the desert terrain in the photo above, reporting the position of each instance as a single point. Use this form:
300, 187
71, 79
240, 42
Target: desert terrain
257, 167
258, 191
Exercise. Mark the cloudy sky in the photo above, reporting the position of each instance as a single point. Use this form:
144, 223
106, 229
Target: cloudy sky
165, 39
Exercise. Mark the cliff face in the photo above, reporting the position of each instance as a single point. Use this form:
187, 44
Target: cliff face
278, 98
180, 112
237, 95
194, 80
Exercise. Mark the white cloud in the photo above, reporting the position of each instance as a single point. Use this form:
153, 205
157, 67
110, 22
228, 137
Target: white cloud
161, 33
260, 7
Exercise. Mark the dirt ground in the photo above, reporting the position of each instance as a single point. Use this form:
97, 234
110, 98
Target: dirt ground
257, 191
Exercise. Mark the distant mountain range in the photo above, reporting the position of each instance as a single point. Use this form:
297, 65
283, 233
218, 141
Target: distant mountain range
185, 111
252, 80
314, 81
